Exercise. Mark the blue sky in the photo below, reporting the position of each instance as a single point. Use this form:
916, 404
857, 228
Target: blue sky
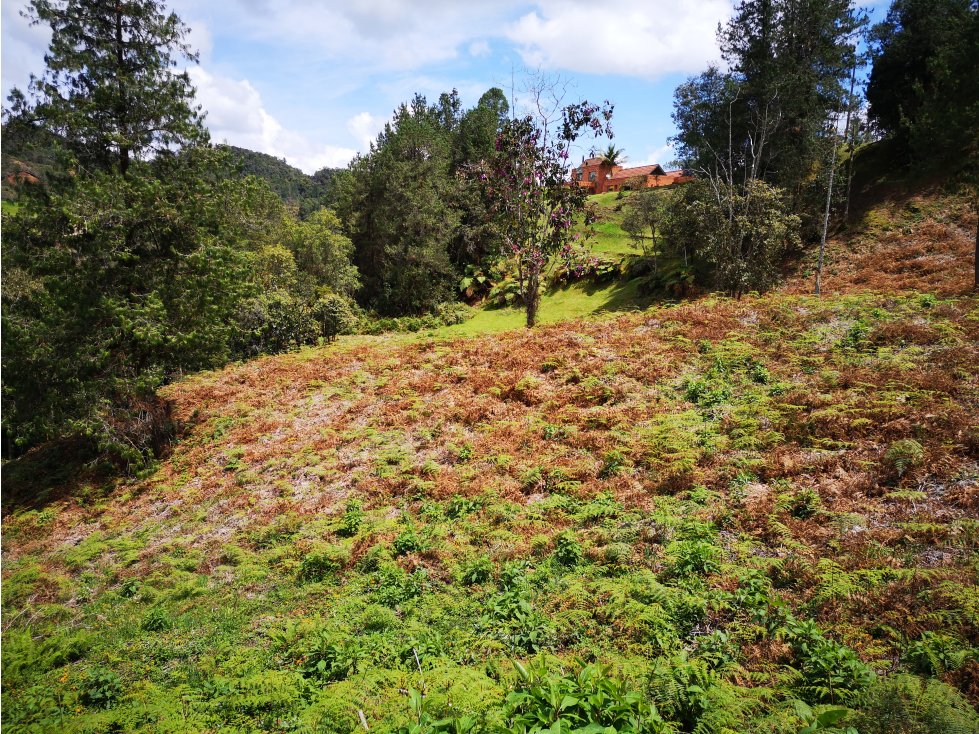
314, 81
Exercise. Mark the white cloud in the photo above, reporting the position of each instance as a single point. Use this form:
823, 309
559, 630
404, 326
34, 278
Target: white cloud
236, 115
645, 39
378, 35
479, 49
664, 155
364, 127
23, 47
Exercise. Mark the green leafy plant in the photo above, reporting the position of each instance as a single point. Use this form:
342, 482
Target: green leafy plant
567, 549
906, 704
934, 654
353, 518
689, 692
100, 688
829, 672
327, 657
157, 619
511, 618
613, 462
322, 564
590, 700
459, 506
425, 722
409, 540
805, 504
692, 557
478, 570
825, 721
904, 455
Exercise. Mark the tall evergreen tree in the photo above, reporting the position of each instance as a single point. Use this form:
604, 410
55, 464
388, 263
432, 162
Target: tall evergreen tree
769, 117
398, 207
111, 90
478, 237
132, 269
923, 88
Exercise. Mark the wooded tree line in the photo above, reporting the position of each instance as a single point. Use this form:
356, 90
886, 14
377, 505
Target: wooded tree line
764, 136
147, 253
415, 216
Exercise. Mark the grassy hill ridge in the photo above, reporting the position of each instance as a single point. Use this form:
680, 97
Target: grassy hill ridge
734, 505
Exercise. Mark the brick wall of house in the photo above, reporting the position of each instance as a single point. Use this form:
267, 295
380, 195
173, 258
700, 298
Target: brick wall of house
598, 178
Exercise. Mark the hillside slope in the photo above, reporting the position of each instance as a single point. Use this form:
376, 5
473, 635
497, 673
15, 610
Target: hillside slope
923, 241
307, 193
673, 493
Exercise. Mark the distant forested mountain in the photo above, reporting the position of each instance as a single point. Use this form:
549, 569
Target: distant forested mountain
309, 193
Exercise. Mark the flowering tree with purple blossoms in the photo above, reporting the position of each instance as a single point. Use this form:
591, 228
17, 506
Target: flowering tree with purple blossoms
533, 198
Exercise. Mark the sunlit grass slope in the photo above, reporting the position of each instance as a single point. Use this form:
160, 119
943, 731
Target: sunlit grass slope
734, 506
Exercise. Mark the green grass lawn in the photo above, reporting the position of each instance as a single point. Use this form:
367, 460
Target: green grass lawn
578, 300
608, 200
608, 238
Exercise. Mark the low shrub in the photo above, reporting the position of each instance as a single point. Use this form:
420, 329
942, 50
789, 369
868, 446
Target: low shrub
617, 554
567, 549
903, 456
391, 585
934, 654
408, 541
445, 314
478, 570
905, 704
326, 657
829, 672
322, 564
692, 557
157, 619
590, 700
353, 518
271, 323
334, 315
377, 618
510, 618
100, 688
805, 504
460, 506
689, 692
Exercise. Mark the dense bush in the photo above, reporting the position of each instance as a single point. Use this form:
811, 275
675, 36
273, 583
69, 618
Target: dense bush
589, 700
100, 688
273, 322
444, 314
322, 564
327, 657
829, 672
904, 704
334, 315
739, 232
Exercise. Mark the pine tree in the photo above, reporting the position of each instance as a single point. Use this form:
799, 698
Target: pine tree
111, 90
767, 118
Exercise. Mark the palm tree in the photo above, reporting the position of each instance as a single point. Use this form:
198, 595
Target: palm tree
613, 156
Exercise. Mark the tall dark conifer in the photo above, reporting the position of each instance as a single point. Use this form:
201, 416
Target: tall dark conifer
112, 90
769, 117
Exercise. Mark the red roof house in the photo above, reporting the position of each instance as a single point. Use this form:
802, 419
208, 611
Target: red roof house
598, 177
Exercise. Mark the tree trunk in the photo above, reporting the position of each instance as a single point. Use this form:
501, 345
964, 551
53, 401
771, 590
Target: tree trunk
829, 201
532, 299
122, 105
846, 138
